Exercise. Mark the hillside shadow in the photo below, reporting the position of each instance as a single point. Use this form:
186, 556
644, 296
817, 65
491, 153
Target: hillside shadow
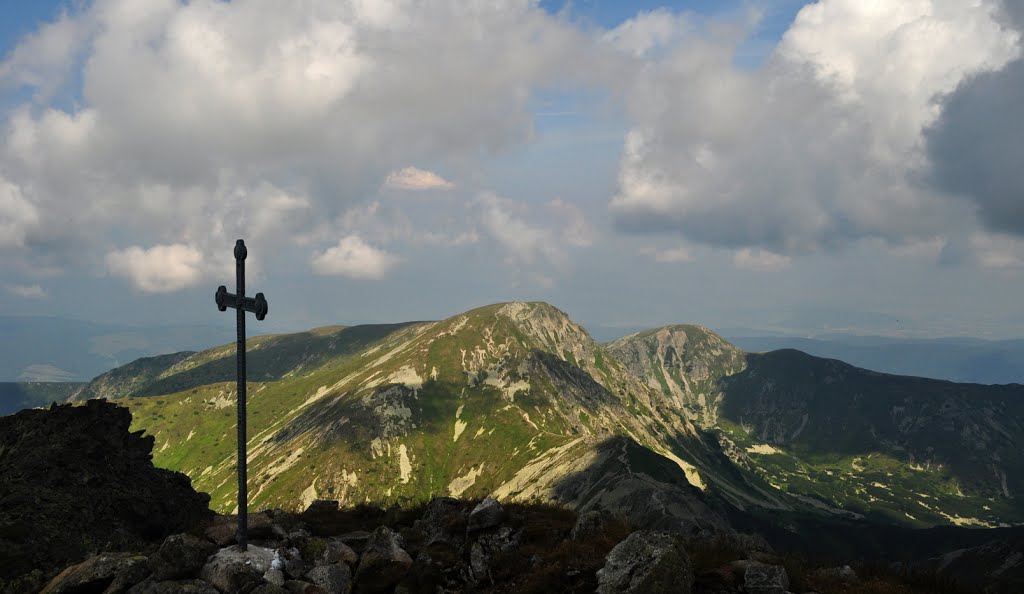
276, 357
824, 408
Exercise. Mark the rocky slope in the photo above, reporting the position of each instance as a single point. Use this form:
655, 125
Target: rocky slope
74, 481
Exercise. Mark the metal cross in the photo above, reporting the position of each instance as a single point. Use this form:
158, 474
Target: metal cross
258, 306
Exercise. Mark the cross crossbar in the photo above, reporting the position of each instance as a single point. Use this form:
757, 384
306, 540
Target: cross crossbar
256, 305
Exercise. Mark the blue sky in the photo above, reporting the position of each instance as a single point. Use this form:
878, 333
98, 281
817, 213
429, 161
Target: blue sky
635, 163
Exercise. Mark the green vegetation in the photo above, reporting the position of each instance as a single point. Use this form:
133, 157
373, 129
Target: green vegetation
404, 412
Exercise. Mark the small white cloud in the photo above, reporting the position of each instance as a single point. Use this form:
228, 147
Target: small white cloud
760, 260
27, 291
354, 258
411, 178
670, 256
159, 269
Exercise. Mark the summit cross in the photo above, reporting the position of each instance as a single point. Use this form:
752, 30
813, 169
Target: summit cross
258, 306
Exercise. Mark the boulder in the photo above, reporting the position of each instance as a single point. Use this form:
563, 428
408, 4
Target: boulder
180, 556
269, 589
223, 531
112, 572
487, 514
336, 551
760, 578
231, 570
383, 563
646, 563
334, 579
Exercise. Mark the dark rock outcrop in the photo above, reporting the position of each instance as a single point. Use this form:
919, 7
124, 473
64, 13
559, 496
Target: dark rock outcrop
646, 563
75, 482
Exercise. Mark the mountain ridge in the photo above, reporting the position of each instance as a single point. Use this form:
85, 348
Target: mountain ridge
467, 405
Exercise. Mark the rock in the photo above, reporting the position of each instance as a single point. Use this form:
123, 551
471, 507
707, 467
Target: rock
293, 563
274, 576
646, 563
383, 563
487, 514
760, 578
485, 548
112, 572
588, 525
75, 481
231, 570
334, 579
336, 551
443, 522
180, 556
173, 587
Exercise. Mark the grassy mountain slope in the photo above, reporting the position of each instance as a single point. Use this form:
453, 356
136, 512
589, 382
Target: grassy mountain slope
516, 399
842, 439
460, 407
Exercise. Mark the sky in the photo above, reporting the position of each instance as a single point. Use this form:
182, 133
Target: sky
835, 166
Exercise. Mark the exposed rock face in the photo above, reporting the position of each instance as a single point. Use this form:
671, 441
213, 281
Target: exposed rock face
113, 572
487, 514
180, 556
646, 563
74, 481
684, 363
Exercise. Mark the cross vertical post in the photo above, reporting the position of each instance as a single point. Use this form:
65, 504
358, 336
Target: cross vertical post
242, 304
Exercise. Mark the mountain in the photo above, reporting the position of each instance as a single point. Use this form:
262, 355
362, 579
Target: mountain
15, 396
953, 359
673, 426
51, 349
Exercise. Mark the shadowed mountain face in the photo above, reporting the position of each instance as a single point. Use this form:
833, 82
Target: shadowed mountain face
516, 399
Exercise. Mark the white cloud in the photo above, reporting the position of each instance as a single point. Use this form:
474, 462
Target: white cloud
670, 256
820, 147
18, 216
759, 260
27, 291
411, 178
159, 269
354, 258
645, 32
189, 118
997, 251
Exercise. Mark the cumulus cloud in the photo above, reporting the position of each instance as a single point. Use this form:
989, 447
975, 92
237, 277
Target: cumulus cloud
159, 269
818, 148
354, 258
411, 178
27, 291
189, 118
